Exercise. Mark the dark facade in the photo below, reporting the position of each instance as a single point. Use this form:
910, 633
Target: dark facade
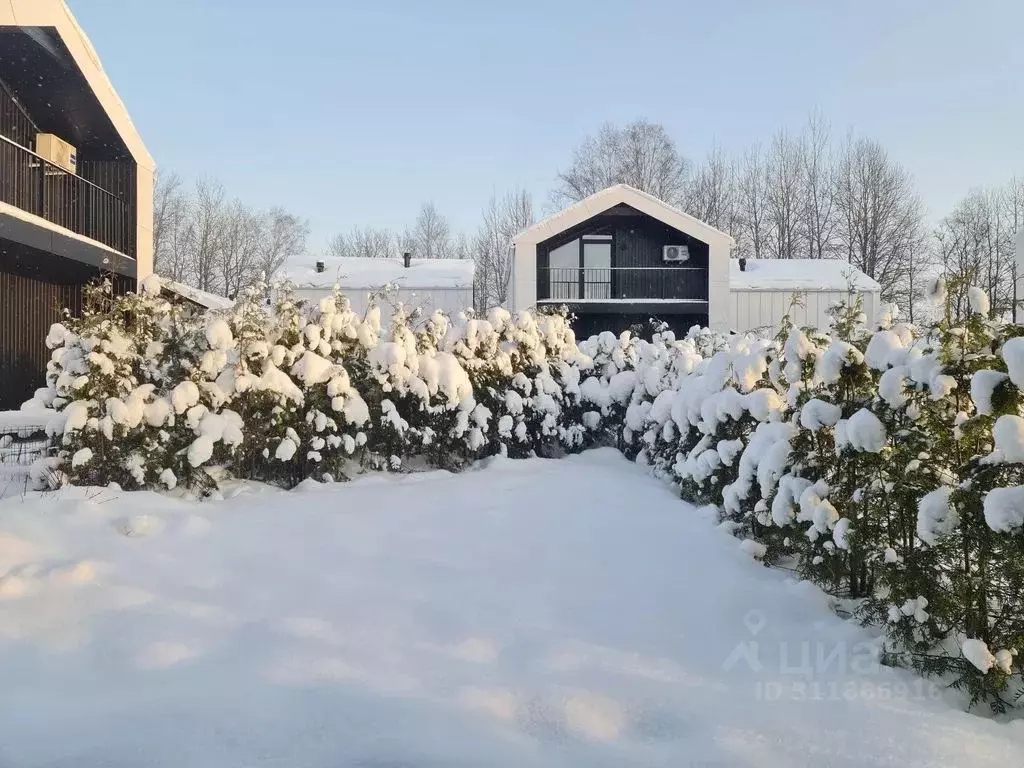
610, 273
35, 289
98, 201
641, 324
43, 268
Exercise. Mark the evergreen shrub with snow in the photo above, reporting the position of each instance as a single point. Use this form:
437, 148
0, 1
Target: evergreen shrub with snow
153, 396
885, 464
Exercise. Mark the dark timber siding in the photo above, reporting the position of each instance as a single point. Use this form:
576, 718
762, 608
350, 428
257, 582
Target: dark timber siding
639, 243
35, 287
638, 269
35, 99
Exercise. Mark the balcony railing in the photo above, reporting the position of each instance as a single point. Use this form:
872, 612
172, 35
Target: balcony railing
37, 186
618, 283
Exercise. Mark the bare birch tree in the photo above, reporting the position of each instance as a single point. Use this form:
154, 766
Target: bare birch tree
242, 232
493, 250
169, 205
976, 242
219, 245
880, 214
750, 204
641, 154
1014, 203
461, 247
819, 219
431, 235
783, 195
711, 193
365, 242
206, 216
284, 239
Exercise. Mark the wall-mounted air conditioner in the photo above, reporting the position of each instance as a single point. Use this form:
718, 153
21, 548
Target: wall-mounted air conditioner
57, 151
675, 253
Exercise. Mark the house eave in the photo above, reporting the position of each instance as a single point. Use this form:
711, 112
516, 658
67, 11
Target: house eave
56, 15
608, 198
27, 229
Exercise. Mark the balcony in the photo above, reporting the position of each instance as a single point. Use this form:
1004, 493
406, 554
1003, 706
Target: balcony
37, 186
622, 284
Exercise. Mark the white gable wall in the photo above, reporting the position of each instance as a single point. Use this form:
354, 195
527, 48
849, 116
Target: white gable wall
762, 311
718, 286
763, 292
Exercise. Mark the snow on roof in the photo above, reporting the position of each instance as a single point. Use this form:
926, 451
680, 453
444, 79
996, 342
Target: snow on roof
798, 275
358, 272
12, 422
202, 298
608, 198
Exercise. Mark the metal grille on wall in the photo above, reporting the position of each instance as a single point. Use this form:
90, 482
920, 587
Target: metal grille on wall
33, 184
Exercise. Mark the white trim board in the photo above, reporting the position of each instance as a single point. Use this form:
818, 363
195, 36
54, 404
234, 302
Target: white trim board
620, 194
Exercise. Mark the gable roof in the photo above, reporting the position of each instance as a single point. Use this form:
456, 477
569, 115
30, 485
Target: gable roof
608, 198
56, 14
362, 272
798, 275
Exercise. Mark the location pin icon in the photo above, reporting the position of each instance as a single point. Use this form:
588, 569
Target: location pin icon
754, 621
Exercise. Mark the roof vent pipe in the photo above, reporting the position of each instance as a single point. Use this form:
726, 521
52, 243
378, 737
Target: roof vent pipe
407, 259
321, 266
743, 264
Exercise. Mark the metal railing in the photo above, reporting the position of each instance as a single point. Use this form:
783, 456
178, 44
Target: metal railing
35, 185
614, 283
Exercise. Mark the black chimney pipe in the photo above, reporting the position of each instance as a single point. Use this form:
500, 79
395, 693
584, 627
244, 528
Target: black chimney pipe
743, 264
407, 259
321, 266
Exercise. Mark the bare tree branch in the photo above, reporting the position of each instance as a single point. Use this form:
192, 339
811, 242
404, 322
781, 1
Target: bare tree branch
642, 155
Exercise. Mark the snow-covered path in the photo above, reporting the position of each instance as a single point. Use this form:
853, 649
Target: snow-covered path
534, 613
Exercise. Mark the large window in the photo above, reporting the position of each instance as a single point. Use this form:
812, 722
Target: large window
581, 268
597, 268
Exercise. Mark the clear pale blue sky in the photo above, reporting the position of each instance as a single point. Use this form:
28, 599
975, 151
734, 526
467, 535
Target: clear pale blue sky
353, 113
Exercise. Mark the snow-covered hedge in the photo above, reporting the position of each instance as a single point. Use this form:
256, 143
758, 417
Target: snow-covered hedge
885, 464
155, 396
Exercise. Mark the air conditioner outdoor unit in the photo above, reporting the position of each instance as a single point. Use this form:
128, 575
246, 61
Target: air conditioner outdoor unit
675, 253
57, 151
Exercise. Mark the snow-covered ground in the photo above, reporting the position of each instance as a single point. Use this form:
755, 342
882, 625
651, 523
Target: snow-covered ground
532, 613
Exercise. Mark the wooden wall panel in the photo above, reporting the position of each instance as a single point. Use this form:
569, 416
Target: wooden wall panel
35, 288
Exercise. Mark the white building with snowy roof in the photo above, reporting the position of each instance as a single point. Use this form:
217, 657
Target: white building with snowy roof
762, 291
194, 297
621, 257
426, 284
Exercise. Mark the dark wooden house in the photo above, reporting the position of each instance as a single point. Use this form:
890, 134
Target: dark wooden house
622, 257
76, 184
